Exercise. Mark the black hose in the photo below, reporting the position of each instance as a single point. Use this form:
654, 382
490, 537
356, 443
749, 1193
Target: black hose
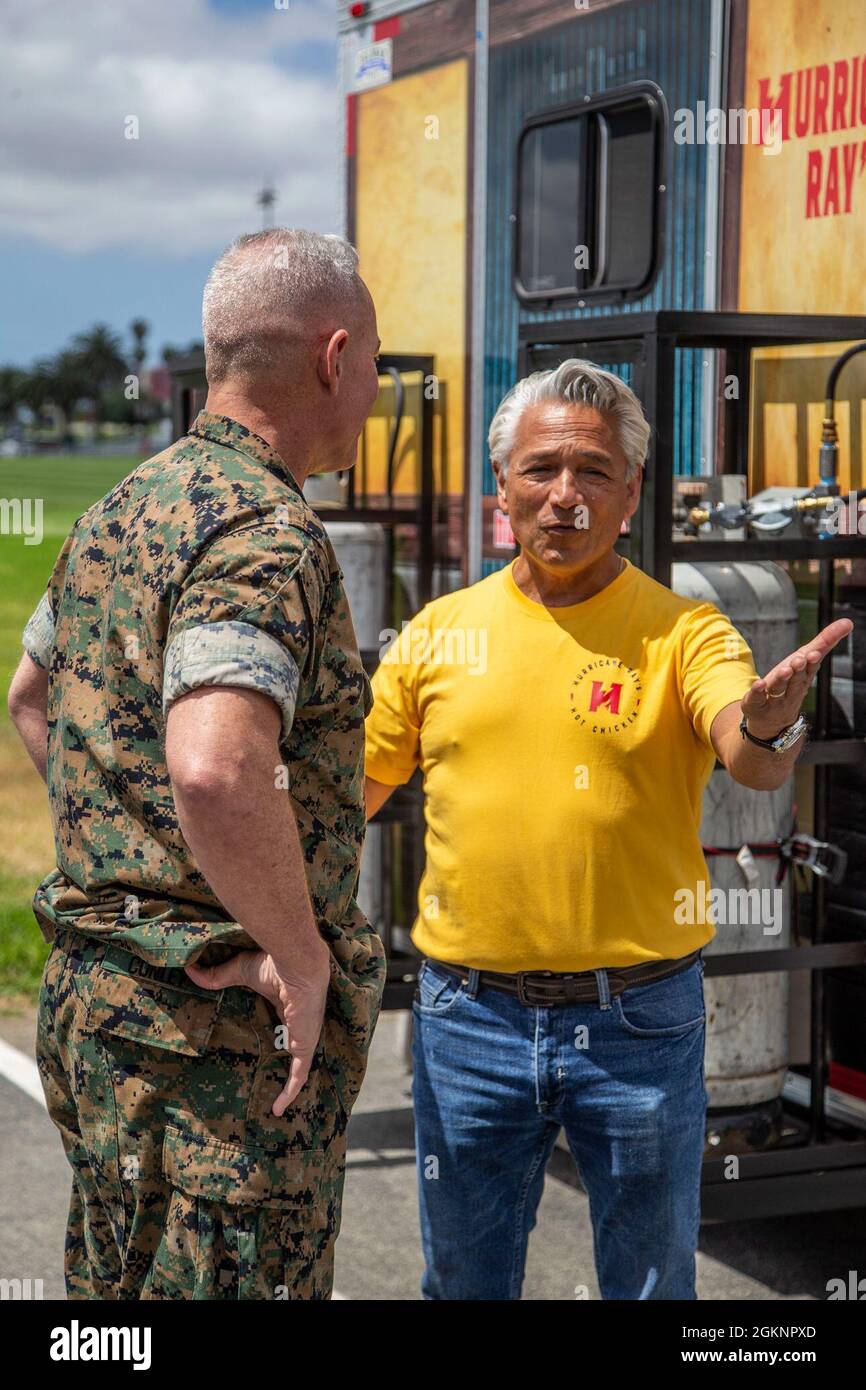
830, 393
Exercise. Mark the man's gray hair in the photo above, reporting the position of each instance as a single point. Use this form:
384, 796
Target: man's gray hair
580, 383
269, 288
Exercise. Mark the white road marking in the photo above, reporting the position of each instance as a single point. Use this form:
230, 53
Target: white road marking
22, 1071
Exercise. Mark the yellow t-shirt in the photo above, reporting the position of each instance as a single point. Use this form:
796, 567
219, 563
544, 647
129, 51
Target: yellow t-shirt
565, 752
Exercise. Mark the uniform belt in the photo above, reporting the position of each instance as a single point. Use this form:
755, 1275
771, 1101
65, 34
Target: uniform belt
114, 957
548, 988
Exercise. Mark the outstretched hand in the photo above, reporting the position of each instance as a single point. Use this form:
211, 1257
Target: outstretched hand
775, 701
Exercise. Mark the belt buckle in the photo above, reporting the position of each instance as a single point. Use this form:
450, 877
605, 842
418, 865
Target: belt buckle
521, 987
543, 1003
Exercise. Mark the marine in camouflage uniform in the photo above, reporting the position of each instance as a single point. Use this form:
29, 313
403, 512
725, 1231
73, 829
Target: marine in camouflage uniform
204, 566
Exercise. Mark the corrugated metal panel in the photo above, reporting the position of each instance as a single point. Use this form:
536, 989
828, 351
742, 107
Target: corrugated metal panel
667, 41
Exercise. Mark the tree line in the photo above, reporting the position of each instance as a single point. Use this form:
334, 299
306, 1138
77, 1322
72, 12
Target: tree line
93, 369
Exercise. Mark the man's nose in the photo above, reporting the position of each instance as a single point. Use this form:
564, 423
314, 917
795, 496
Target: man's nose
565, 492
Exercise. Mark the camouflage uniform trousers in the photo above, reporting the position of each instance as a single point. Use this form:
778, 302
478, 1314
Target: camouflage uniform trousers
185, 1185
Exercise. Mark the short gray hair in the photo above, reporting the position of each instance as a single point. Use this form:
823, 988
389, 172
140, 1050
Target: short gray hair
579, 383
268, 287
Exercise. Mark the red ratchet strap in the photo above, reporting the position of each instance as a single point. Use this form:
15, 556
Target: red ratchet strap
824, 859
760, 851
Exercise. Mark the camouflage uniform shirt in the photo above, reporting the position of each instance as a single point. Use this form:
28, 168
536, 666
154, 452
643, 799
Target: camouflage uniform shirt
205, 566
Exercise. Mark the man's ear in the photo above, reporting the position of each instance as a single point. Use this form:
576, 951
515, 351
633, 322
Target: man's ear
329, 364
500, 485
633, 491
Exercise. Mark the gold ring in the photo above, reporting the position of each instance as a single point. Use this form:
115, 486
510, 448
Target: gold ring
781, 695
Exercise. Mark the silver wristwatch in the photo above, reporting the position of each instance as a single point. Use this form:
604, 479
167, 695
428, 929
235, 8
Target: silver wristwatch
783, 741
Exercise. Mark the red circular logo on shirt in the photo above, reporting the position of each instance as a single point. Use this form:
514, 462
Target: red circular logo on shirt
606, 695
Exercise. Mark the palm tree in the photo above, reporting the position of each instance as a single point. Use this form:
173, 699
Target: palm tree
60, 381
139, 328
100, 355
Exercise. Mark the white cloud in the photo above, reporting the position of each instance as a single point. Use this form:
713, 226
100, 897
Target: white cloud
223, 103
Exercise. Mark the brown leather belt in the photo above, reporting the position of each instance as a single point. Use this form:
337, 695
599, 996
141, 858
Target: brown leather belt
547, 988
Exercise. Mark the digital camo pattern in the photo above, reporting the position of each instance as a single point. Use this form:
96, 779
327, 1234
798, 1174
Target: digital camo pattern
213, 531
235, 654
137, 1063
184, 1184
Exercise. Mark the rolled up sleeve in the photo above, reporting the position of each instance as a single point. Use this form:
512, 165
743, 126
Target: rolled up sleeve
38, 637
246, 618
39, 634
231, 654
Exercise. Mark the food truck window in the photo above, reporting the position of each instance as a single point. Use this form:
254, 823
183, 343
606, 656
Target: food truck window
588, 200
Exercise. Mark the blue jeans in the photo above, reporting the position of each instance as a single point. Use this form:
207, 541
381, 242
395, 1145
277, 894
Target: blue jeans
494, 1080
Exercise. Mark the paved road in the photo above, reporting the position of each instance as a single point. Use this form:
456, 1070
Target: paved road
378, 1252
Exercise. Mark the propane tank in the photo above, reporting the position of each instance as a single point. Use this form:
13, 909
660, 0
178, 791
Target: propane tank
747, 1015
360, 551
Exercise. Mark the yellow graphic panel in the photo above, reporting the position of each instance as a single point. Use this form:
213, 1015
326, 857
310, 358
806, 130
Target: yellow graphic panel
803, 208
410, 228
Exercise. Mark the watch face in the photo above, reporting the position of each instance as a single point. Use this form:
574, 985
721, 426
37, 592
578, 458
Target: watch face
790, 735
782, 741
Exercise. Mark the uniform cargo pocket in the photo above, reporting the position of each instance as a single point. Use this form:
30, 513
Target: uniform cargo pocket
145, 1011
238, 1176
241, 1222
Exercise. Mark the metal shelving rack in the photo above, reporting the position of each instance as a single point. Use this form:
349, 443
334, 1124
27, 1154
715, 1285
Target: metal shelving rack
828, 1169
405, 807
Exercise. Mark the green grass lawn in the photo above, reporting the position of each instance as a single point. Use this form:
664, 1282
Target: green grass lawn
67, 485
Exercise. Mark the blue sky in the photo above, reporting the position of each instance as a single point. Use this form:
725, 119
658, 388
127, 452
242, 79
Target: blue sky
94, 226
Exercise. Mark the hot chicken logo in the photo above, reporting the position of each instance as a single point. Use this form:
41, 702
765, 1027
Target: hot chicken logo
605, 695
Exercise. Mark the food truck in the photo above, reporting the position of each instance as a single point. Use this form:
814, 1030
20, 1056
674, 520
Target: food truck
676, 190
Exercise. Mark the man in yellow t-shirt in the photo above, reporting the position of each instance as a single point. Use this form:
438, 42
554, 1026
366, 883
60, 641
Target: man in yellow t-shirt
566, 713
